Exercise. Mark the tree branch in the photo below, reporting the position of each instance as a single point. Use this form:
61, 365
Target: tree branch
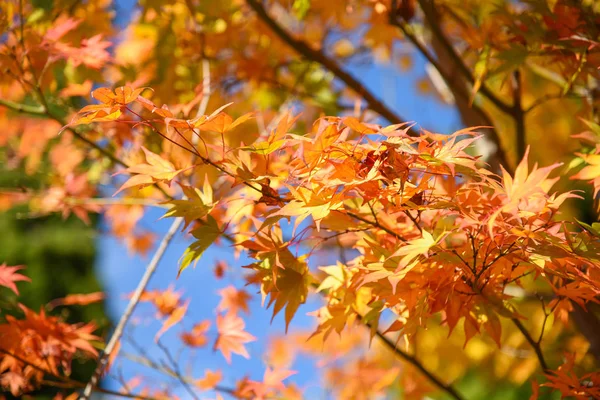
314, 55
415, 363
146, 362
532, 342
118, 332
150, 269
433, 20
458, 90
519, 114
23, 108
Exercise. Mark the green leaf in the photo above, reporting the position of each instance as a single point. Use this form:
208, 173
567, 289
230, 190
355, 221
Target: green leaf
195, 206
290, 291
206, 235
593, 229
36, 15
480, 70
300, 8
510, 59
264, 148
372, 317
594, 127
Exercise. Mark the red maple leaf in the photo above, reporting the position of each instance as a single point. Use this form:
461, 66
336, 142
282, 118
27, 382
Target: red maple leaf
9, 275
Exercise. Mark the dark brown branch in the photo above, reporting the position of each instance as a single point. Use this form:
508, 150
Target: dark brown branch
532, 342
375, 224
415, 363
458, 90
317, 56
433, 20
519, 114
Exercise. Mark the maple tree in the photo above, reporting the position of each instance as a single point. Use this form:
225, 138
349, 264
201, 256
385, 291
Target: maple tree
432, 257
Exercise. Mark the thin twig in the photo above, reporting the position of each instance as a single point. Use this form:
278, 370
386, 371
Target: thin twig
145, 361
118, 332
375, 224
175, 368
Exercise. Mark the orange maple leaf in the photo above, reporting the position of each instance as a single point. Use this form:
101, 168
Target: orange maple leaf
210, 380
197, 336
176, 316
41, 341
77, 299
112, 103
272, 381
232, 336
156, 170
168, 304
233, 300
9, 275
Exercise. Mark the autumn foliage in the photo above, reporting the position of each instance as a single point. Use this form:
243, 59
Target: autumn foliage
429, 258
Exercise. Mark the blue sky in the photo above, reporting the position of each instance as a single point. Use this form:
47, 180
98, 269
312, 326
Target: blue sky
120, 273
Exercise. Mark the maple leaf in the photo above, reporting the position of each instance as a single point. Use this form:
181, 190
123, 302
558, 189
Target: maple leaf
77, 299
157, 169
165, 301
175, 316
197, 336
196, 204
333, 317
524, 186
61, 28
336, 277
9, 275
285, 279
121, 96
570, 385
92, 53
41, 341
111, 108
412, 249
221, 122
233, 300
272, 381
307, 203
264, 148
168, 304
140, 243
232, 337
205, 234
210, 380
591, 172
360, 127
